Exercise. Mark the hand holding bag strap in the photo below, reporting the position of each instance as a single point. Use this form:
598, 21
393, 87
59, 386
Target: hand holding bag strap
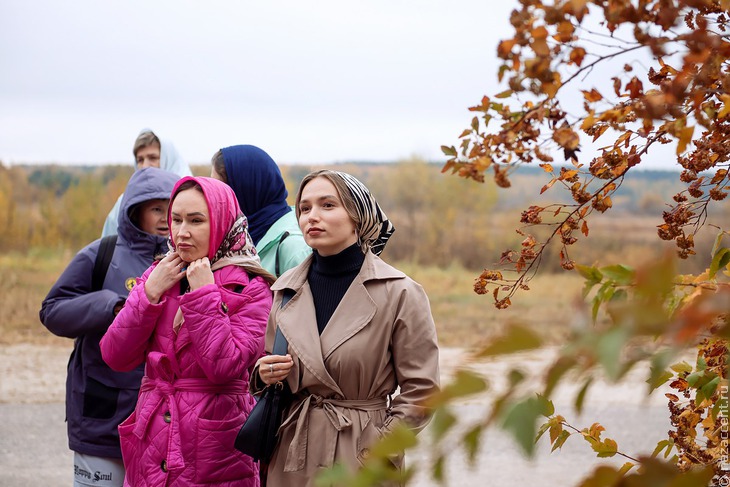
258, 435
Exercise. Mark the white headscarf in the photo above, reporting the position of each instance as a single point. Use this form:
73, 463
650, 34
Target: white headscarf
170, 158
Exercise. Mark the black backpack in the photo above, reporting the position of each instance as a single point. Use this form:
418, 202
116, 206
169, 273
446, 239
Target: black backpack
103, 259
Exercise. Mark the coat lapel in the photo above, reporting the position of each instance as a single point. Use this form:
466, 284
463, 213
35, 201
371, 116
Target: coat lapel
298, 320
298, 323
353, 313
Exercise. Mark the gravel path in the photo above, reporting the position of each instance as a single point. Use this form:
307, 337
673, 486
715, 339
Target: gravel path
33, 449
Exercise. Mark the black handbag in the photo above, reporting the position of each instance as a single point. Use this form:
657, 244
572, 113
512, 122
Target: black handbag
258, 435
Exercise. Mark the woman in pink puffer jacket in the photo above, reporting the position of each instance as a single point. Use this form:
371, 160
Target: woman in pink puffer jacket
197, 319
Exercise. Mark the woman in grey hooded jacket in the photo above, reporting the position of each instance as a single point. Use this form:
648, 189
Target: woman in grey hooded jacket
98, 398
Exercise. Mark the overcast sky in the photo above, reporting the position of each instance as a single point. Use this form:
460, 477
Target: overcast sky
320, 81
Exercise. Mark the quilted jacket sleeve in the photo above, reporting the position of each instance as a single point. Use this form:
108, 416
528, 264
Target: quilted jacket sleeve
71, 308
227, 340
124, 343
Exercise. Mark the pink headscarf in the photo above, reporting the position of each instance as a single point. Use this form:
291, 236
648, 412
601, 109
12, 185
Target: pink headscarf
229, 241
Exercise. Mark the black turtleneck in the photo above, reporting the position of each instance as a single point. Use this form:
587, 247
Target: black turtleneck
329, 277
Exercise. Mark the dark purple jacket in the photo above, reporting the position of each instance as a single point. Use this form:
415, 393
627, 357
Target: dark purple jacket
98, 398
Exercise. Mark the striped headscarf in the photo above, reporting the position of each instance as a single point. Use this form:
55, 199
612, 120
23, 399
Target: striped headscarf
373, 228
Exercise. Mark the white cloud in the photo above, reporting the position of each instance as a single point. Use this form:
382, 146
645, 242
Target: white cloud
307, 81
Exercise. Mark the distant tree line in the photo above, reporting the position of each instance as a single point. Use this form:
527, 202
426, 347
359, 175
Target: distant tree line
440, 221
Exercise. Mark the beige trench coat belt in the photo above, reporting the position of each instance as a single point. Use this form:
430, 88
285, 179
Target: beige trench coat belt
162, 391
297, 453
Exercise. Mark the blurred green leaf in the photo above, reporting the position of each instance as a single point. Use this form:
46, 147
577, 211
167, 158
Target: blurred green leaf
592, 276
719, 261
517, 338
521, 421
547, 408
515, 376
658, 368
667, 444
560, 440
658, 377
620, 274
707, 390
701, 363
336, 475
626, 467
609, 347
449, 151
655, 281
556, 372
602, 476
604, 448
471, 442
543, 428
606, 291
442, 422
580, 398
594, 309
464, 383
718, 243
620, 295
399, 439
437, 469
682, 367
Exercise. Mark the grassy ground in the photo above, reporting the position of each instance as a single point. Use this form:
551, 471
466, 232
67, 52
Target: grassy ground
462, 317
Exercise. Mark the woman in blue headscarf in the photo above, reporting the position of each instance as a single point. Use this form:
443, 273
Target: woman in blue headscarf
261, 194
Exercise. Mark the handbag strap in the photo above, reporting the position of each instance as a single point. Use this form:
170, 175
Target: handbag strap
280, 343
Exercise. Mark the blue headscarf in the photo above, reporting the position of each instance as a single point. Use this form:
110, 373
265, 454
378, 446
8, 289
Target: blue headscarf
259, 187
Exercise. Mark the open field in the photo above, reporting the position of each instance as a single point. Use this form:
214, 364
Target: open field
461, 316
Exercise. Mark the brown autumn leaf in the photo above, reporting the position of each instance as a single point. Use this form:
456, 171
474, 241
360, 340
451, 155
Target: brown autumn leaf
635, 87
566, 138
592, 96
616, 86
685, 137
565, 31
576, 55
679, 384
504, 49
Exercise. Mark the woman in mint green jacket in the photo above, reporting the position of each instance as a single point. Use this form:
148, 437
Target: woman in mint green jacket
261, 193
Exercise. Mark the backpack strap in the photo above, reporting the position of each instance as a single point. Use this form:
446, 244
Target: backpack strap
103, 259
280, 343
278, 246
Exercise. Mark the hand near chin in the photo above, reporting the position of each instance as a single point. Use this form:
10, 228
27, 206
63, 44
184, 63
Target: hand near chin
166, 274
199, 273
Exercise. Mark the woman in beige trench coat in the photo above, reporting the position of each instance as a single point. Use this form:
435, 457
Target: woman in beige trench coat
357, 328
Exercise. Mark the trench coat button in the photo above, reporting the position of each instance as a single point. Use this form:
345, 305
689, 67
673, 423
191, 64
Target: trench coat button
163, 466
167, 417
224, 307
